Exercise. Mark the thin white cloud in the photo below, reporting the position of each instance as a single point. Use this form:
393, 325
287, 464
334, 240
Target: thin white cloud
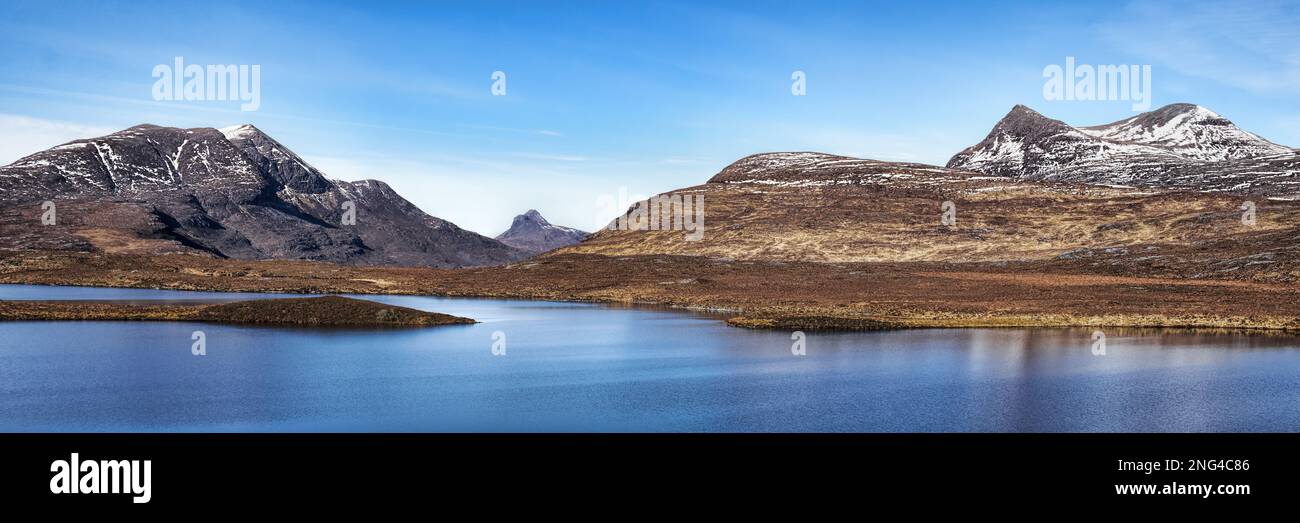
1248, 44
233, 116
24, 135
920, 147
483, 195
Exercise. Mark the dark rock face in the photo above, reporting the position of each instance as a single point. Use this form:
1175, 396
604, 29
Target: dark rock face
276, 160
234, 193
531, 232
1180, 146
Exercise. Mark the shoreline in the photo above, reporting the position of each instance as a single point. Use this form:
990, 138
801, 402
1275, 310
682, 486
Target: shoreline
848, 324
324, 311
750, 294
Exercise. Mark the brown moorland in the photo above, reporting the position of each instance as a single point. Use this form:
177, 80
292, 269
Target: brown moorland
757, 293
815, 241
324, 311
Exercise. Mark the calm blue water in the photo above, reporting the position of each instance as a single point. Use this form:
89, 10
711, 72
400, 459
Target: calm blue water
582, 367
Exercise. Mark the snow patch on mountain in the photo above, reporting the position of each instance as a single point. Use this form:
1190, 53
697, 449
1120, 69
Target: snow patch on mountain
237, 192
1180, 146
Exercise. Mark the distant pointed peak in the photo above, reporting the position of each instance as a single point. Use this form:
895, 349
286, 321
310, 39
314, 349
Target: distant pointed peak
532, 233
533, 216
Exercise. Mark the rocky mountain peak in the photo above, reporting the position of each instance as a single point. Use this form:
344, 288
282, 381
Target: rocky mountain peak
234, 192
531, 216
284, 166
1189, 130
764, 165
532, 233
1021, 121
1183, 145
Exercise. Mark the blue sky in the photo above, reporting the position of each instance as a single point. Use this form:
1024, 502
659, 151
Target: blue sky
608, 95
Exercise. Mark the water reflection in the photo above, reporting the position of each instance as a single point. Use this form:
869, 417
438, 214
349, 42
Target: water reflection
582, 367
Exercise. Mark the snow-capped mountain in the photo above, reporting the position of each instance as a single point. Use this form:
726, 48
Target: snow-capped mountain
812, 169
285, 167
1179, 146
531, 232
1190, 131
234, 192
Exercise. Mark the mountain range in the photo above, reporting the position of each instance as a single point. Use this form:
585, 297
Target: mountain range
1161, 193
1179, 146
231, 193
1155, 190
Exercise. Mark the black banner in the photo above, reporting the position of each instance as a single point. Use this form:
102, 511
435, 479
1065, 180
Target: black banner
232, 470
